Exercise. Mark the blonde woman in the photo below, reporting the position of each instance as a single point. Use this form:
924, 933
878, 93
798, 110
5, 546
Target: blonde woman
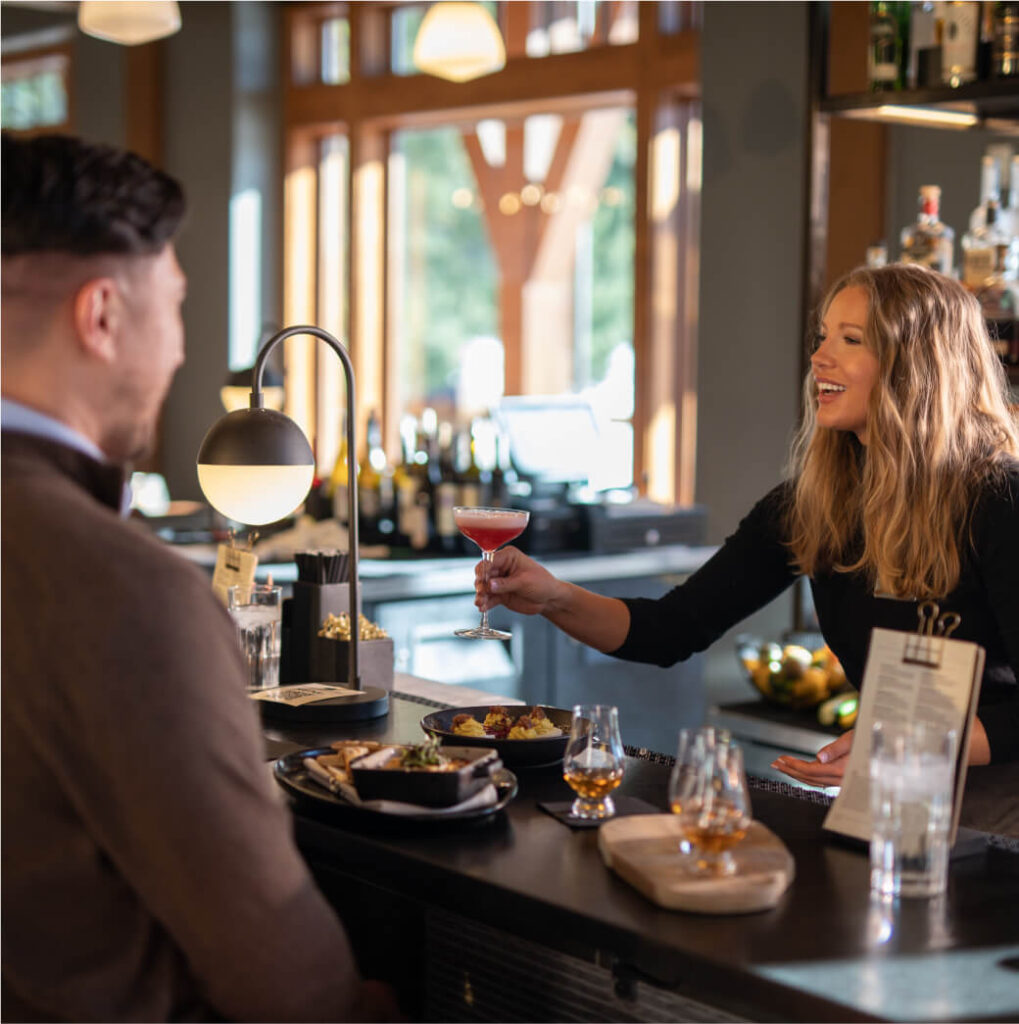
903, 487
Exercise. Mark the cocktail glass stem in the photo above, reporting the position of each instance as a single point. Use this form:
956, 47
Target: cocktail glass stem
486, 558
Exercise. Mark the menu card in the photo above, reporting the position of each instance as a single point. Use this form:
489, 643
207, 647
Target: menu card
914, 677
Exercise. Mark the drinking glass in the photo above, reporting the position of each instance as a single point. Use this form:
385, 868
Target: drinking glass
489, 528
708, 794
912, 775
593, 761
257, 611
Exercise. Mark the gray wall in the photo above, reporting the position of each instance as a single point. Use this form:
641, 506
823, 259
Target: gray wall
752, 220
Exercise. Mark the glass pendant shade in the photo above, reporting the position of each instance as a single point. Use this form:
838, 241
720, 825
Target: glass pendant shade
129, 22
255, 466
458, 41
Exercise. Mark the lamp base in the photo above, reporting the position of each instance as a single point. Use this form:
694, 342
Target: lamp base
371, 702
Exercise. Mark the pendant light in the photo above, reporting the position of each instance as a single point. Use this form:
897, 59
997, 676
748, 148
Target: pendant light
458, 42
129, 22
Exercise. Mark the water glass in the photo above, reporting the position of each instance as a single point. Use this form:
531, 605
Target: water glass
257, 611
593, 761
912, 780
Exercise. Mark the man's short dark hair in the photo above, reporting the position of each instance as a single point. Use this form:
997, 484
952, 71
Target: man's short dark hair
62, 194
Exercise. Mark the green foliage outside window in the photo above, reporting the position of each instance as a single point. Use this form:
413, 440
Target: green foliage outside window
33, 101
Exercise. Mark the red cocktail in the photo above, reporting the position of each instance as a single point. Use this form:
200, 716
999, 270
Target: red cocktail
489, 528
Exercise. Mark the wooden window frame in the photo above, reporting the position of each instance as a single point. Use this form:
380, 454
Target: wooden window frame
656, 71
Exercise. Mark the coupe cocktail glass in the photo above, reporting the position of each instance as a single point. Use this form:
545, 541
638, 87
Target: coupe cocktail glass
489, 528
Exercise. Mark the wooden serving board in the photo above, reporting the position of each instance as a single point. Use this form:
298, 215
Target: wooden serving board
643, 850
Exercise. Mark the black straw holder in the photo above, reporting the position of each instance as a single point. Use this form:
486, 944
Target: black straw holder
308, 609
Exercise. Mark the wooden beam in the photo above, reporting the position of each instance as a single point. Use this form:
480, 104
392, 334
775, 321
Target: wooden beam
525, 85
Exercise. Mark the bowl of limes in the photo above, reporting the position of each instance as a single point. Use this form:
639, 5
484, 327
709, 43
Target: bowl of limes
798, 677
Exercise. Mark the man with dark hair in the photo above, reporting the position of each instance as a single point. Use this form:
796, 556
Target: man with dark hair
148, 868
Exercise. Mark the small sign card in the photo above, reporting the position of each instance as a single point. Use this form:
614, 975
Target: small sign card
234, 567
303, 693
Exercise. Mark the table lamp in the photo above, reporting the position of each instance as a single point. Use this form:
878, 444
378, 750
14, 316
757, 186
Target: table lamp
256, 466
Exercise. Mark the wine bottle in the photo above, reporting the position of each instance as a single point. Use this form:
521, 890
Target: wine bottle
884, 56
375, 487
928, 241
339, 479
445, 490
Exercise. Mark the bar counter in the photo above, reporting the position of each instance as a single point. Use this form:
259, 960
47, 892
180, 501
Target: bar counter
516, 917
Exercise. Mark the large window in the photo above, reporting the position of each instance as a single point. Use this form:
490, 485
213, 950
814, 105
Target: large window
531, 233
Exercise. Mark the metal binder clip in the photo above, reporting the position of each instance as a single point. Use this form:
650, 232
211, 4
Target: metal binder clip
928, 614
933, 623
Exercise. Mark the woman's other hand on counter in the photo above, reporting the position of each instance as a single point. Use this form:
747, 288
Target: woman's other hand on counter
826, 770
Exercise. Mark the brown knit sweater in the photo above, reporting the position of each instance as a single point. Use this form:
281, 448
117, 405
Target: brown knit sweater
148, 867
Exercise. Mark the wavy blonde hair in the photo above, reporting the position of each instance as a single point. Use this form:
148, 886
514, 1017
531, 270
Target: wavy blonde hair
939, 428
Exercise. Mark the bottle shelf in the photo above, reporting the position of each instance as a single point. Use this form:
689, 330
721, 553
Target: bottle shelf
994, 103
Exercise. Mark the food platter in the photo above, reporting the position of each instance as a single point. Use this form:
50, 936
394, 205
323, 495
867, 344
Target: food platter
291, 774
537, 753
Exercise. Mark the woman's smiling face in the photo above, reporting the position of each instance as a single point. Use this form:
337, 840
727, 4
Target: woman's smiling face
844, 369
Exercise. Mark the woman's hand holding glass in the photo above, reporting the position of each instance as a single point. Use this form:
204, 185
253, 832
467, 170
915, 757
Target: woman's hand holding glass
708, 794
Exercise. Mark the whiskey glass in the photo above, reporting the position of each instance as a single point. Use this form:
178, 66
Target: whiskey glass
593, 761
708, 794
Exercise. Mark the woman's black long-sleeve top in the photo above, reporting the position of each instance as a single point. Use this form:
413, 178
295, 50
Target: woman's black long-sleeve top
753, 566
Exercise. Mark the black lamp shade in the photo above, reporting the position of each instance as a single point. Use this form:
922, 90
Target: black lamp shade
255, 466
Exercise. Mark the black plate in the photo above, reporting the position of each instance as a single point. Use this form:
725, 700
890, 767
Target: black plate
290, 773
539, 753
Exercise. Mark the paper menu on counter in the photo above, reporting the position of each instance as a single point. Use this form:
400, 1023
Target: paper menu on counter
908, 677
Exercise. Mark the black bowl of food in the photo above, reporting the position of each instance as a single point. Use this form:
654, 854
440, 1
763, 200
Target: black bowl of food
524, 736
424, 774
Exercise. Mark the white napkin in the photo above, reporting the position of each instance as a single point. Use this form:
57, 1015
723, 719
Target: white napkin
485, 797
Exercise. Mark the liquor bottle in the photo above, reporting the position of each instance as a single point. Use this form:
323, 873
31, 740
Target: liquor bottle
1010, 215
411, 518
471, 478
990, 258
444, 485
884, 56
960, 34
928, 241
988, 190
924, 67
1005, 45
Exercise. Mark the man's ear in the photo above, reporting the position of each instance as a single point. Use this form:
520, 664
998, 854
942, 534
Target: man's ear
96, 312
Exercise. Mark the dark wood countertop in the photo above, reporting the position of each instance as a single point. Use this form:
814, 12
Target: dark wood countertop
824, 953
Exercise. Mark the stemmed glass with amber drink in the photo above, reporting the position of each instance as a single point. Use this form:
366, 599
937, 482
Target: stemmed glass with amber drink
489, 528
708, 794
593, 761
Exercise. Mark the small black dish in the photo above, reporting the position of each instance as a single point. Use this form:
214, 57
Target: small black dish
428, 788
537, 753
